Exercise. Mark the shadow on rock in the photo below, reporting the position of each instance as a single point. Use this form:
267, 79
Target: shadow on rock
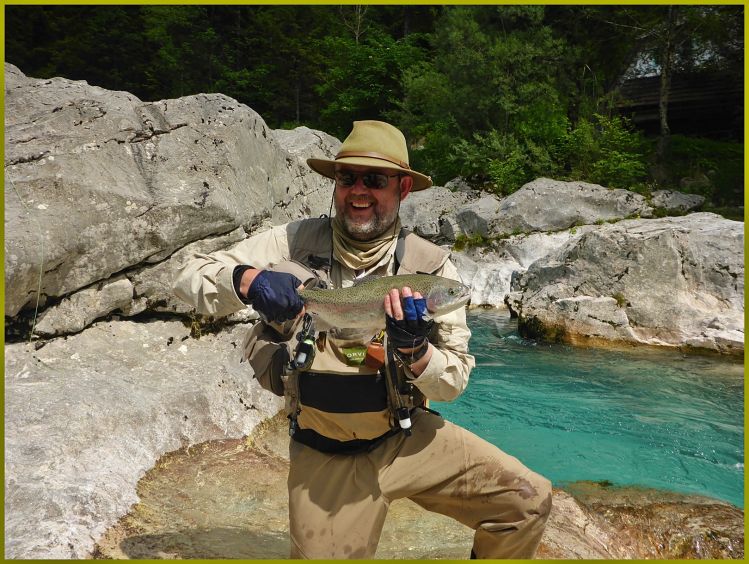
210, 543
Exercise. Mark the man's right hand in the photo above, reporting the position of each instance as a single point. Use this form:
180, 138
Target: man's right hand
275, 295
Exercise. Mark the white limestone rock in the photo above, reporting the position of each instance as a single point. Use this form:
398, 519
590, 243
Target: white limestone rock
491, 271
676, 202
78, 311
425, 211
552, 205
86, 416
676, 282
311, 192
133, 292
475, 217
97, 181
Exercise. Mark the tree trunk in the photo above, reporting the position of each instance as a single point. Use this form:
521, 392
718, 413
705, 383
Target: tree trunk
666, 64
356, 23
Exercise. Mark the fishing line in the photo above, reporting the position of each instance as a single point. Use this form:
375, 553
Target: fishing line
41, 260
330, 228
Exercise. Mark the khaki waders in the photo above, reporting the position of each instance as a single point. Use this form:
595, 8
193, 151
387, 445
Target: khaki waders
338, 503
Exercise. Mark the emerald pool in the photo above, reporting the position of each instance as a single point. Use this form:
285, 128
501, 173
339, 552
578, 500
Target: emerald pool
643, 417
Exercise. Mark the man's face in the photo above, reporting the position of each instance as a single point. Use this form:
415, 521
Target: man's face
367, 213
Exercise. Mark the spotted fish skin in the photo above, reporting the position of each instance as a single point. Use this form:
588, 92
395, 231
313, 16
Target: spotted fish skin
361, 306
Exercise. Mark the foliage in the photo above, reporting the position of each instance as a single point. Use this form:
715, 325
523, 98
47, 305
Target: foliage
606, 151
503, 162
621, 301
498, 94
351, 94
720, 163
488, 98
463, 241
701, 36
69, 41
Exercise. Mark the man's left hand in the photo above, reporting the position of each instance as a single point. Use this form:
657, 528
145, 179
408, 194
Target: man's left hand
407, 328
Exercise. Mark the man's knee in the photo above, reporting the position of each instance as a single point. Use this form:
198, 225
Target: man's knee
539, 496
516, 529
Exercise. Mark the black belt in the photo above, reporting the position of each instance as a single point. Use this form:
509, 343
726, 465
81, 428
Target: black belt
315, 440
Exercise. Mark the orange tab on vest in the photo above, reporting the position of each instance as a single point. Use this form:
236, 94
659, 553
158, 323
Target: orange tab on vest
375, 357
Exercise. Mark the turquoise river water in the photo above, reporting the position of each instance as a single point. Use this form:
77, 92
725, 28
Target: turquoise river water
637, 417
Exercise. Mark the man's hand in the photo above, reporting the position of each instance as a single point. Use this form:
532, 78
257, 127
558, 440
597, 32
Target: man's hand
407, 328
275, 295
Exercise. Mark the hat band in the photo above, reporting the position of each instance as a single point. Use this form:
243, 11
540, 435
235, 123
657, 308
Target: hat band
373, 155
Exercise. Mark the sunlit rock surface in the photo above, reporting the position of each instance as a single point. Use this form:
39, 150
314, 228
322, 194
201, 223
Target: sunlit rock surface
98, 182
674, 282
87, 416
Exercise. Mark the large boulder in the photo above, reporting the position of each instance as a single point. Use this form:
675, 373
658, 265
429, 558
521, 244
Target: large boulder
140, 289
97, 181
87, 416
309, 192
550, 205
81, 309
676, 282
424, 212
475, 217
672, 202
490, 270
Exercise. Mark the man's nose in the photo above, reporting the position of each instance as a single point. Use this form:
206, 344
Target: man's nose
359, 184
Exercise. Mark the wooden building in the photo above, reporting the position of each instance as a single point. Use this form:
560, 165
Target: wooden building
706, 105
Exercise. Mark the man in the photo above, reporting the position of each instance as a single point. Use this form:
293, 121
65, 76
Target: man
348, 457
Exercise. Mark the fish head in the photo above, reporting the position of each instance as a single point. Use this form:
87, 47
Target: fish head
446, 296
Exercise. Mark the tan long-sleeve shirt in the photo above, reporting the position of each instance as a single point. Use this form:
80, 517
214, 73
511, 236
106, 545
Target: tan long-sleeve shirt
205, 282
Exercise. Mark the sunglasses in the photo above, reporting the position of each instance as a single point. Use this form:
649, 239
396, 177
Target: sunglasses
374, 180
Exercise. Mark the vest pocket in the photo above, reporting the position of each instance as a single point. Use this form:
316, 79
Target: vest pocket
343, 393
267, 354
343, 407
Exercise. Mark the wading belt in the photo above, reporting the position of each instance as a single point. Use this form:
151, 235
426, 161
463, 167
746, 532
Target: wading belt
322, 443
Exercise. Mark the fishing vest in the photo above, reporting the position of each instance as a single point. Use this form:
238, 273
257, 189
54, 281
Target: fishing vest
338, 404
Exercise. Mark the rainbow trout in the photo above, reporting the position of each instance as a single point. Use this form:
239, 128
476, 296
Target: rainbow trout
361, 306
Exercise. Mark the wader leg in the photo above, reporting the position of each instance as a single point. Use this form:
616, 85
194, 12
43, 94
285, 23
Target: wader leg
451, 471
336, 509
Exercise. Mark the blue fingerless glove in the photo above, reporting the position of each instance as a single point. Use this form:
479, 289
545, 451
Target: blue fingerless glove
274, 295
412, 331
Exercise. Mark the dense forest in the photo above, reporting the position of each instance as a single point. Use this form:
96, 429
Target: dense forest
497, 94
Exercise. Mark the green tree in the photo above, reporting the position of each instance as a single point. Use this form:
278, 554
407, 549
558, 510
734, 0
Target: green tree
490, 94
362, 80
606, 151
101, 44
272, 64
663, 40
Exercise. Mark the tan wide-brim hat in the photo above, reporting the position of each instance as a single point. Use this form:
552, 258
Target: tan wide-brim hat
373, 143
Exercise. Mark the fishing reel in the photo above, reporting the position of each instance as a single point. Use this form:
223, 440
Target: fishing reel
304, 353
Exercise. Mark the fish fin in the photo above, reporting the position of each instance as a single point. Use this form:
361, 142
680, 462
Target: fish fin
365, 279
320, 323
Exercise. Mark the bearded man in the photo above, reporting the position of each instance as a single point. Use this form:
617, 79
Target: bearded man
350, 452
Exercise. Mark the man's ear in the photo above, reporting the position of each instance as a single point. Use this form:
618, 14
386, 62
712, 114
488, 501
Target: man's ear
406, 184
